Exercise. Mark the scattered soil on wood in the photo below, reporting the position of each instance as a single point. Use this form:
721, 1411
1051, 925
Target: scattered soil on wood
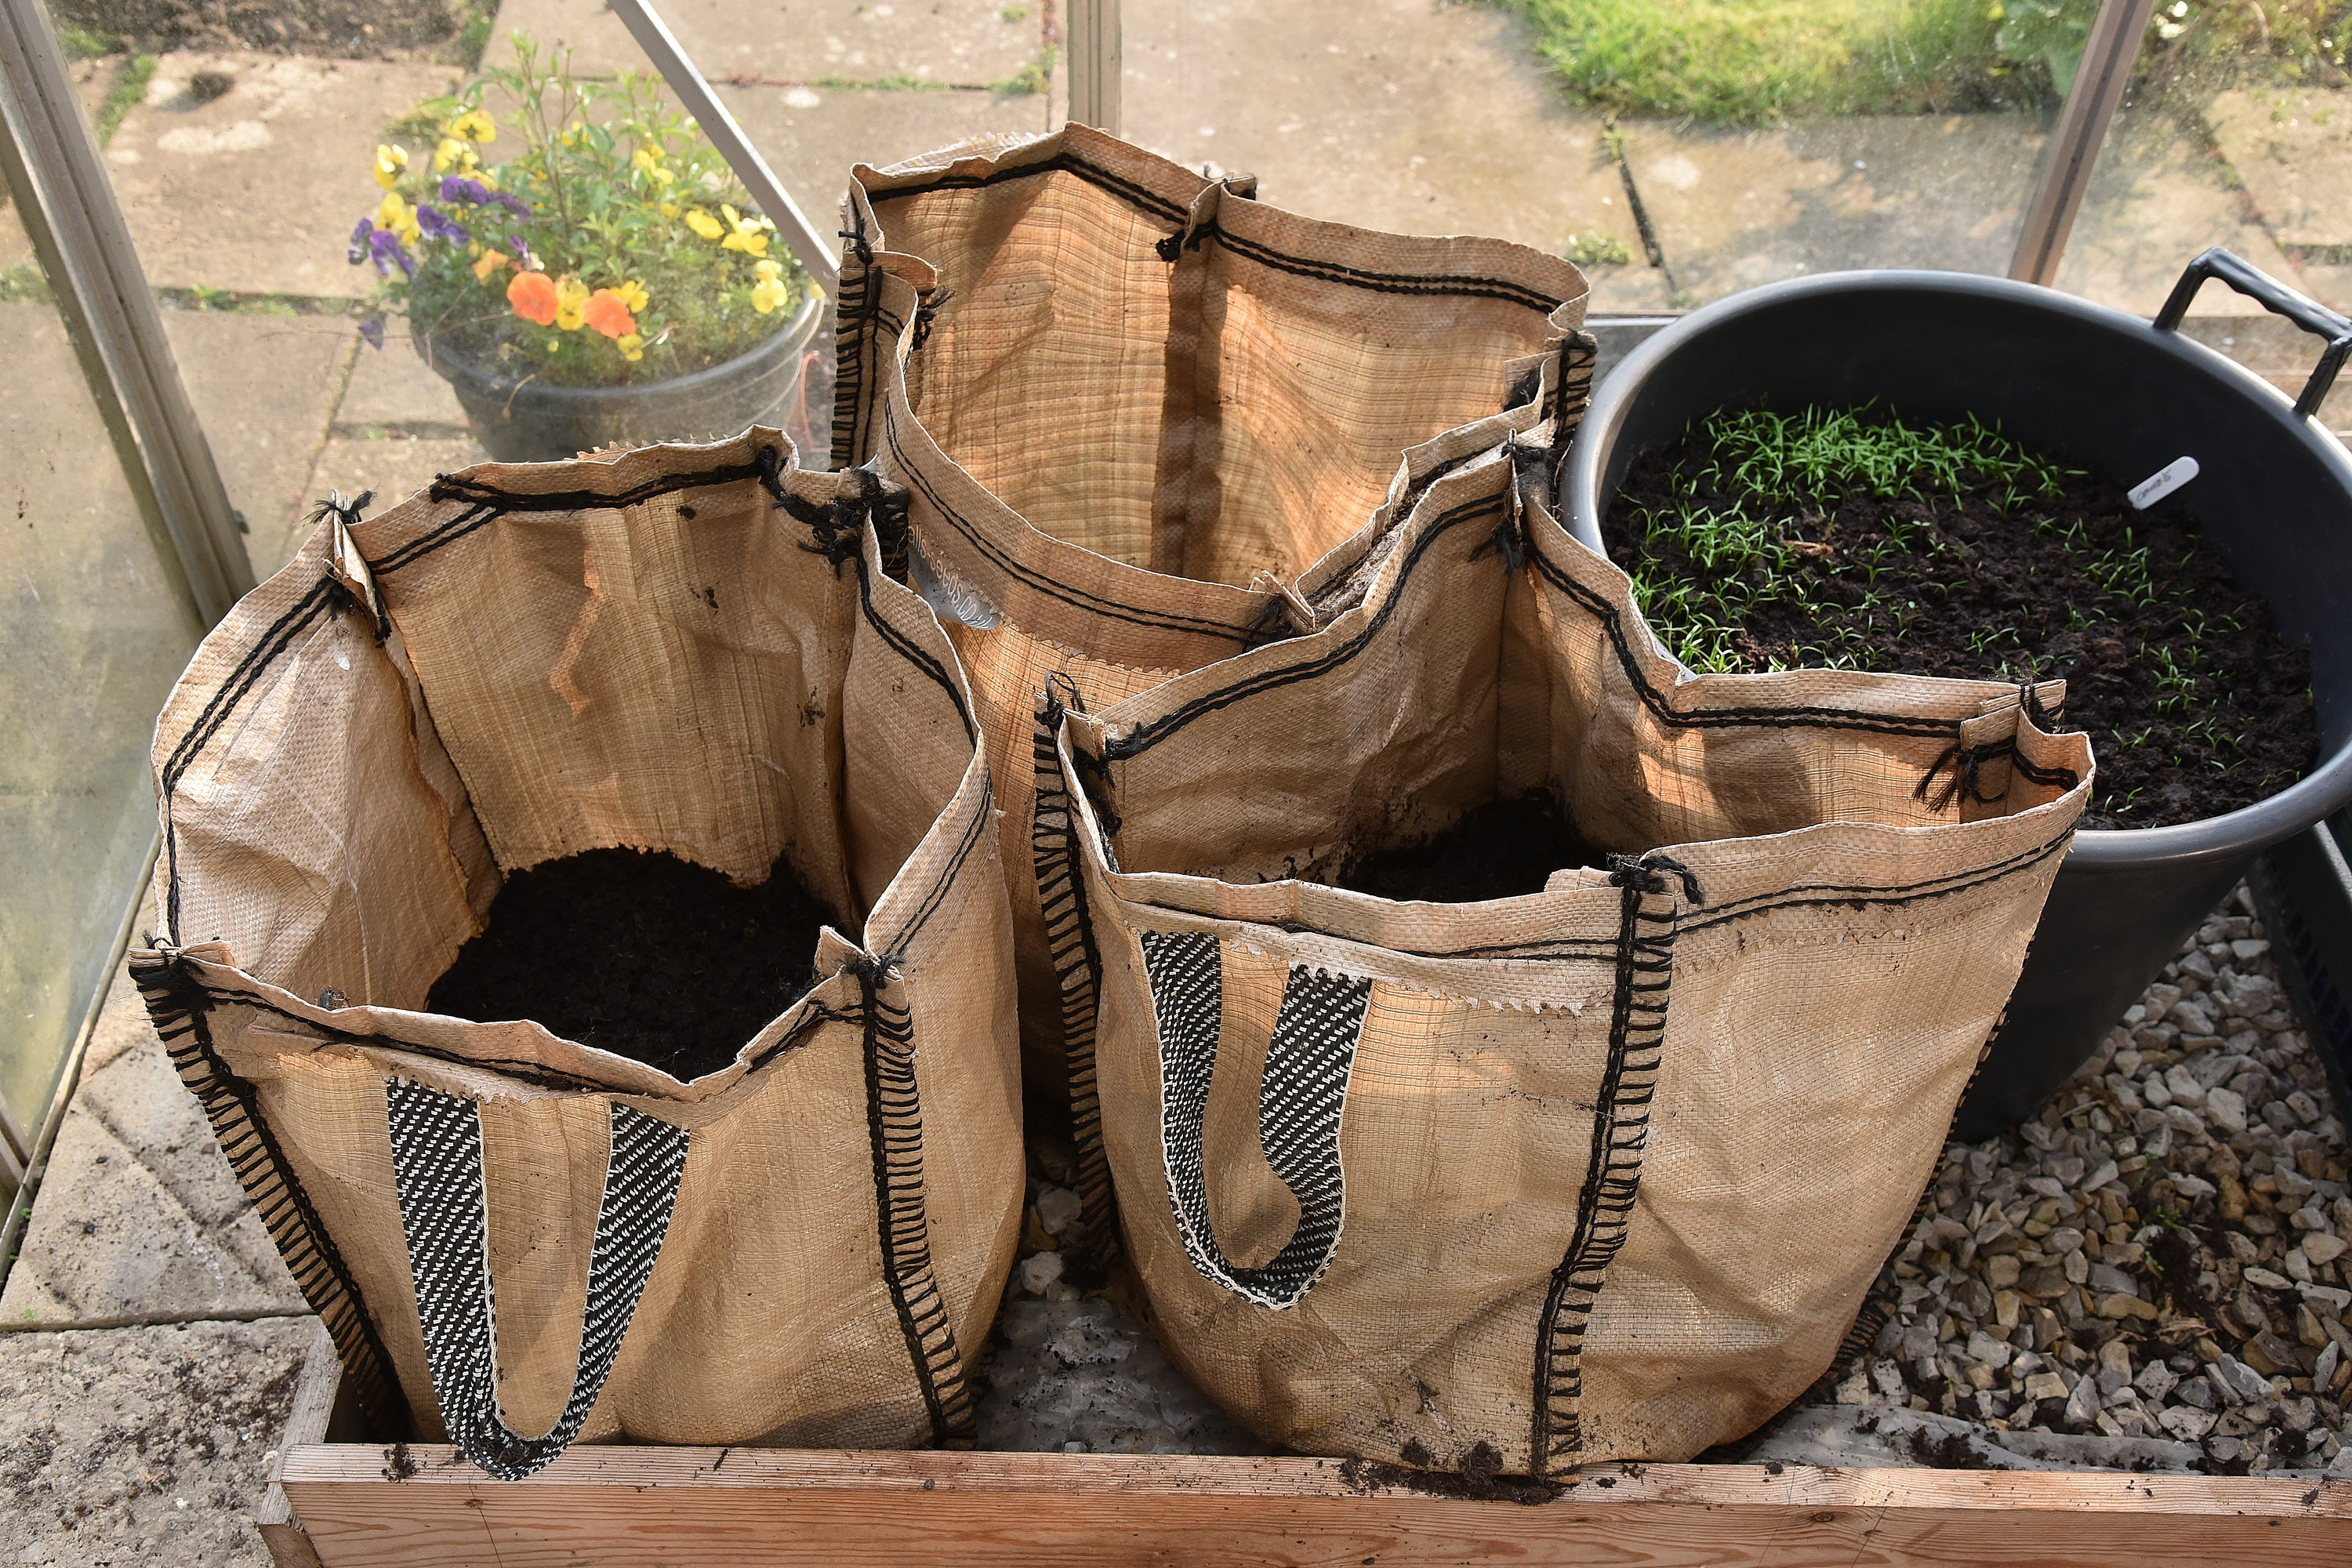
1480, 1480
2195, 707
1947, 1451
1498, 851
640, 954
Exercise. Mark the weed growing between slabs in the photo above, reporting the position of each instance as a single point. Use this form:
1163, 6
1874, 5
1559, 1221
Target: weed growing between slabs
1852, 541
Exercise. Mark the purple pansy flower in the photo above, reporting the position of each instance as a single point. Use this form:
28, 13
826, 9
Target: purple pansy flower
384, 249
434, 223
358, 251
459, 188
514, 204
522, 253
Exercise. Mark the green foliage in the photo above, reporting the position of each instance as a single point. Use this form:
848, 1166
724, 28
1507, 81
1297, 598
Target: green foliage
474, 35
82, 43
617, 246
1708, 568
25, 283
130, 86
2050, 31
1031, 78
1753, 62
1599, 250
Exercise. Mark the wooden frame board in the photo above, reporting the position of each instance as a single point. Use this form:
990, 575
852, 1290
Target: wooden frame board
371, 1505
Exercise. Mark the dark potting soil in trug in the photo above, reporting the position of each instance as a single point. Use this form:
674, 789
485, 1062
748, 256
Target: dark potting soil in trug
1850, 540
641, 955
1497, 851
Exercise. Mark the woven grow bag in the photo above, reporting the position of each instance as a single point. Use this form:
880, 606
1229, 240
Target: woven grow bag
1598, 1173
1146, 422
686, 648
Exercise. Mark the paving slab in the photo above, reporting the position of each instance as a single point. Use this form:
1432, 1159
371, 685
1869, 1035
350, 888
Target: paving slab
394, 468
2276, 350
139, 1217
257, 190
1735, 209
1414, 118
2292, 148
971, 43
148, 1445
2160, 194
392, 390
264, 388
811, 136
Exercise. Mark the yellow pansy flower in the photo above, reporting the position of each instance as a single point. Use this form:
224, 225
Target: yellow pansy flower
703, 223
448, 152
632, 346
491, 261
475, 125
669, 209
769, 294
633, 295
389, 162
398, 216
570, 304
750, 235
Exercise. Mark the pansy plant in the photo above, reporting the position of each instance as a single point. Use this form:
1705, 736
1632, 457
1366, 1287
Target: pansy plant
614, 246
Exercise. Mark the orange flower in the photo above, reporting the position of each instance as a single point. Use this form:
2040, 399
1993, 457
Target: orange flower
533, 295
490, 262
609, 314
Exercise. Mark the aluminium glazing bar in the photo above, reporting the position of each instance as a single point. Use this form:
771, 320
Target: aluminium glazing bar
816, 252
68, 206
1095, 63
2099, 83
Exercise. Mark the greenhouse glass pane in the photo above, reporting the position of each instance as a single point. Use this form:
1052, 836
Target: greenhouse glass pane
93, 632
2236, 130
1679, 152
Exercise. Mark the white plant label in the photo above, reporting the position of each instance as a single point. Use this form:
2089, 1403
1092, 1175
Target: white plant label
2163, 482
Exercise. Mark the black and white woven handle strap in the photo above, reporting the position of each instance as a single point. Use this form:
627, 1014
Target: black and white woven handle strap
436, 1156
1309, 1062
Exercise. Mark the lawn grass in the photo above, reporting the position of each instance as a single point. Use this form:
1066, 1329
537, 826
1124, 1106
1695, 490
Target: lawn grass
1760, 62
1754, 62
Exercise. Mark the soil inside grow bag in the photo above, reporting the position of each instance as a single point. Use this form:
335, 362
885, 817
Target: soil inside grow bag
1498, 851
641, 955
1765, 542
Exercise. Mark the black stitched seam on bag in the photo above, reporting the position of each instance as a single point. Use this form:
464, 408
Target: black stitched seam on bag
975, 834
177, 1004
491, 503
1063, 162
1077, 969
1047, 586
2003, 870
537, 1074
215, 712
894, 1134
1145, 736
859, 301
1613, 1174
1256, 250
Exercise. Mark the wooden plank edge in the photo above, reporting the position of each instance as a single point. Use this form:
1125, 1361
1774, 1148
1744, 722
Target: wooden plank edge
433, 1466
307, 1425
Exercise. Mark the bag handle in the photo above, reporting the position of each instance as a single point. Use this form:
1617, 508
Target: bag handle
2276, 298
436, 1156
1309, 1062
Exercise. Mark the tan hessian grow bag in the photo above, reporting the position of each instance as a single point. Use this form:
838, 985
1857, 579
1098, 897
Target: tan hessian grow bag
688, 648
1133, 409
1597, 1172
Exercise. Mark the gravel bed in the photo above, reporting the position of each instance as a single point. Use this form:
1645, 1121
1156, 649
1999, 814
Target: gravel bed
2160, 1252
2151, 1274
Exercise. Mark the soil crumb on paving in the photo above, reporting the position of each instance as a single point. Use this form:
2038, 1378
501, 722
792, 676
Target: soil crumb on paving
1950, 550
1500, 850
642, 954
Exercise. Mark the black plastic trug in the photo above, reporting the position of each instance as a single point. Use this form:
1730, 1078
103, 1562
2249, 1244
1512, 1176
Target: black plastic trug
2105, 390
2304, 889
